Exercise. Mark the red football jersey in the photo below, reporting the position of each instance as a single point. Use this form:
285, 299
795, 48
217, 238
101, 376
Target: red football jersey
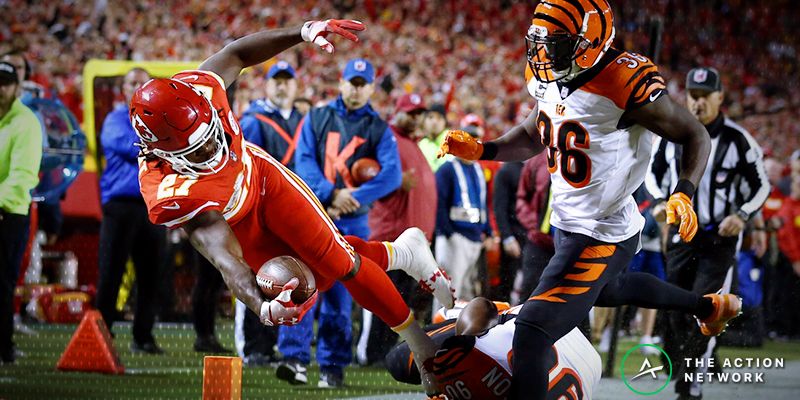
172, 199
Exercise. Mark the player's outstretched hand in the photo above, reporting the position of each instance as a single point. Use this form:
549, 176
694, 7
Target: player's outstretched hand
317, 31
282, 311
460, 144
679, 209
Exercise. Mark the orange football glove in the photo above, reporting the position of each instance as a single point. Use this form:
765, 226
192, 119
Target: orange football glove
461, 144
679, 204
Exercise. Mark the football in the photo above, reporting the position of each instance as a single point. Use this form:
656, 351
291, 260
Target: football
278, 271
364, 169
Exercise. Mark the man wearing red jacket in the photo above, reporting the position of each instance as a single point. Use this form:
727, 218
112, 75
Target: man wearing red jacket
789, 241
533, 212
789, 233
409, 206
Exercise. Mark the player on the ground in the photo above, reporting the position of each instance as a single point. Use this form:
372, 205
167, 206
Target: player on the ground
474, 360
241, 207
597, 107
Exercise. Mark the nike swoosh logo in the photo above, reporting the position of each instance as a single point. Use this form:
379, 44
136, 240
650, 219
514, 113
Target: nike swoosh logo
173, 206
190, 77
654, 96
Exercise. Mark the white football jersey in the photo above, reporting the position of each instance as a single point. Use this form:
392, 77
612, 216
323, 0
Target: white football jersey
596, 158
483, 370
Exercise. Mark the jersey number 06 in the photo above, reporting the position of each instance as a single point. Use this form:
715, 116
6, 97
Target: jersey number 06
563, 150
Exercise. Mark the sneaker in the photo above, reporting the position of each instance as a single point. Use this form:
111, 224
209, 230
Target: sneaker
8, 357
146, 347
415, 258
605, 341
209, 344
331, 379
293, 372
648, 350
726, 308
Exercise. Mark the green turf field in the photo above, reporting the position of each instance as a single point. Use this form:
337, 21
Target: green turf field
178, 374
175, 375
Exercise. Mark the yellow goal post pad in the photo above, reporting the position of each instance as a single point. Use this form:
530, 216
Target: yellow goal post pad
96, 68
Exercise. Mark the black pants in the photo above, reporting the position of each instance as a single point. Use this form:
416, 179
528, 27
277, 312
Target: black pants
700, 266
205, 296
377, 338
126, 231
534, 260
583, 272
781, 299
14, 229
508, 270
258, 338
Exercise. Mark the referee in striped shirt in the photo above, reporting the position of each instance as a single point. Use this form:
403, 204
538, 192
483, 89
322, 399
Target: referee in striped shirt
732, 190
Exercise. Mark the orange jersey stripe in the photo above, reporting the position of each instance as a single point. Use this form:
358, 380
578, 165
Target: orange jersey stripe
601, 251
550, 295
593, 271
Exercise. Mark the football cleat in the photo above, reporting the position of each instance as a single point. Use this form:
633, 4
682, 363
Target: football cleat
726, 308
418, 263
292, 371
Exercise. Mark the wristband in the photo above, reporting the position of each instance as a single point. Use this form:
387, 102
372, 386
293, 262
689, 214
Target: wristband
686, 187
489, 151
743, 215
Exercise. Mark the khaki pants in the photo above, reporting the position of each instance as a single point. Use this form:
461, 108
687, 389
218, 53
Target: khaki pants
458, 255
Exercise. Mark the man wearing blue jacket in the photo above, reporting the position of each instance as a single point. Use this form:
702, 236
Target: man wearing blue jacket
125, 225
332, 138
274, 124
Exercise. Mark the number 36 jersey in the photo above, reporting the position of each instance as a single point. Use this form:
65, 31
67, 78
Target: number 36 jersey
596, 158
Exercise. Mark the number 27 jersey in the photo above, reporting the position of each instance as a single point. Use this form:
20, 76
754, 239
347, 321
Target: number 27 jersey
173, 199
595, 157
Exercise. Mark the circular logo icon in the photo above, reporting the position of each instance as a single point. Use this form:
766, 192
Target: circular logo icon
646, 381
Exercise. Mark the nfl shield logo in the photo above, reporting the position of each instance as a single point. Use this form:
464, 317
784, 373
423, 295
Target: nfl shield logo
700, 75
360, 66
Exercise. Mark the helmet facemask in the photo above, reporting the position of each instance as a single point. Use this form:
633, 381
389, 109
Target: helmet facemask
207, 154
552, 57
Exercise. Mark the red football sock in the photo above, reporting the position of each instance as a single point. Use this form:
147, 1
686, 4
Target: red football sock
375, 251
372, 289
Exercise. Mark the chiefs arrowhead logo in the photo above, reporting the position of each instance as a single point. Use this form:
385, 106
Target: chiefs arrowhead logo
142, 130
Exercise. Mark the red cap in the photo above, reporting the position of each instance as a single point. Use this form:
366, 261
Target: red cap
409, 102
471, 119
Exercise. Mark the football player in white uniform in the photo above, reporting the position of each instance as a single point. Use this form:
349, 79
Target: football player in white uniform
597, 107
475, 357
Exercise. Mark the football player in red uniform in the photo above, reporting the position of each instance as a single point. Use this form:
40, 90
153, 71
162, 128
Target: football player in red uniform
597, 110
241, 207
474, 360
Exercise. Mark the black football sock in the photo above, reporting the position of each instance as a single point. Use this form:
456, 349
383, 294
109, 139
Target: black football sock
530, 369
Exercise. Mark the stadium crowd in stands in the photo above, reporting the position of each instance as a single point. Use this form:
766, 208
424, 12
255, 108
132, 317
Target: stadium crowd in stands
469, 54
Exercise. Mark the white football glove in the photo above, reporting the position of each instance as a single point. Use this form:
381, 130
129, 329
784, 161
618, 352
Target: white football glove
282, 310
316, 31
